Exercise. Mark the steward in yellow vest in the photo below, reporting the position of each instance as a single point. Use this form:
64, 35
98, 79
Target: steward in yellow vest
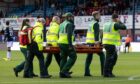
52, 38
93, 38
111, 39
65, 41
36, 48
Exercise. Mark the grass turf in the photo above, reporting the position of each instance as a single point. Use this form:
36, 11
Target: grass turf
127, 66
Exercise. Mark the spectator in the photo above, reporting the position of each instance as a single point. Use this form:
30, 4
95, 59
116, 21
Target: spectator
127, 43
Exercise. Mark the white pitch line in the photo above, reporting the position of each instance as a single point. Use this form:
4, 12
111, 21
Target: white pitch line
49, 81
69, 81
133, 77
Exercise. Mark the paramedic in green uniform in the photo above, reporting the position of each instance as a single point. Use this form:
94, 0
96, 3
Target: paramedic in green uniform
65, 41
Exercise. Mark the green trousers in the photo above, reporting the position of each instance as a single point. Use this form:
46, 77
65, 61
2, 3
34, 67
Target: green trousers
49, 60
89, 60
68, 57
20, 67
34, 51
111, 59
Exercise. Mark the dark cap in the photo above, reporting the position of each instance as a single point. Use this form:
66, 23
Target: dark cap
115, 16
68, 14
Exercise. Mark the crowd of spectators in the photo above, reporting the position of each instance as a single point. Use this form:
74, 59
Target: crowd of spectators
86, 7
106, 7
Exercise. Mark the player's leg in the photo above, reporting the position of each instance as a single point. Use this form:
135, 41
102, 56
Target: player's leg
9, 45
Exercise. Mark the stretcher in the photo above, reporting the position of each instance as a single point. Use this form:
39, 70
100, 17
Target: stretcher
78, 48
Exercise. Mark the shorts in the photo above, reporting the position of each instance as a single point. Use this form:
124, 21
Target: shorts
9, 43
127, 44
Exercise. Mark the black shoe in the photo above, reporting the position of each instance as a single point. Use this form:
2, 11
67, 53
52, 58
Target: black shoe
88, 75
65, 75
70, 72
109, 75
113, 75
25, 76
46, 76
34, 75
16, 73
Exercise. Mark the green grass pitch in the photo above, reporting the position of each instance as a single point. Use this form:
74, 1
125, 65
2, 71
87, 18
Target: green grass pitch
127, 71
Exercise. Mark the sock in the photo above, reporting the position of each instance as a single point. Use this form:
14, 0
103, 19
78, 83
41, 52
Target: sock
8, 54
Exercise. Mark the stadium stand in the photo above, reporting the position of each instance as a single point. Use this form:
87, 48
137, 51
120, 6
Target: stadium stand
23, 11
58, 7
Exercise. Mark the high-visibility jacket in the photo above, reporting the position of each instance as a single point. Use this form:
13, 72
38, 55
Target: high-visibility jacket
90, 37
110, 35
52, 34
63, 36
23, 46
37, 35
